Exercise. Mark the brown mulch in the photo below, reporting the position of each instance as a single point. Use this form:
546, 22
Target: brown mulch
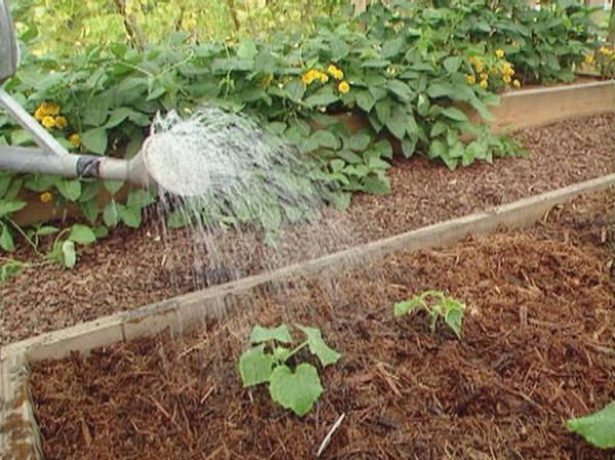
538, 348
136, 267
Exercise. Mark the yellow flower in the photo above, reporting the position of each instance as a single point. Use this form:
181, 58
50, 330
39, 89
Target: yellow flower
499, 53
506, 78
494, 71
75, 139
51, 108
507, 69
46, 197
516, 83
343, 87
484, 76
312, 75
471, 79
48, 122
39, 114
336, 73
484, 83
61, 122
605, 50
589, 59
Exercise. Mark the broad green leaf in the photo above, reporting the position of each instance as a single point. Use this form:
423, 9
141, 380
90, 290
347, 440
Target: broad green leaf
111, 216
437, 149
295, 89
454, 318
325, 139
6, 239
407, 306
408, 145
454, 114
178, 219
598, 428
130, 216
8, 207
401, 90
46, 230
317, 345
95, 140
69, 256
358, 141
349, 157
365, 101
321, 100
392, 47
452, 64
81, 234
113, 186
297, 391
263, 334
436, 90
397, 124
383, 110
246, 50
255, 366
69, 189
138, 199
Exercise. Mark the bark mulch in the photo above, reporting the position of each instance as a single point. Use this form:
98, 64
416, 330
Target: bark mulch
136, 267
538, 347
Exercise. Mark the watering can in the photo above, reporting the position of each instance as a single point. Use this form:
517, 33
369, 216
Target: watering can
51, 157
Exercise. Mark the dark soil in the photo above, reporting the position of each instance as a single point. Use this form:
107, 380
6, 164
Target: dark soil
133, 268
538, 348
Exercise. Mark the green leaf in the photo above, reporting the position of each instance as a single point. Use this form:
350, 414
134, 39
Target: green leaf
69, 256
401, 90
6, 239
295, 90
452, 64
81, 234
408, 145
262, 334
317, 345
296, 391
358, 142
365, 101
321, 100
9, 207
69, 189
47, 230
130, 216
113, 186
392, 47
407, 306
178, 219
597, 428
383, 110
111, 216
454, 114
325, 139
453, 318
95, 140
397, 124
255, 366
138, 199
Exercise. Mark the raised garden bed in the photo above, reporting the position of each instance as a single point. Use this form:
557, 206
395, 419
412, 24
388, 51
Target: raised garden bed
134, 268
537, 348
519, 109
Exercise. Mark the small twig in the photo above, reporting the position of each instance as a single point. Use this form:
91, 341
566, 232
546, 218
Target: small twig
208, 394
330, 434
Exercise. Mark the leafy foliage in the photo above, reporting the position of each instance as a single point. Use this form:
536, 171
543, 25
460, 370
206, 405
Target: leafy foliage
437, 305
598, 428
267, 362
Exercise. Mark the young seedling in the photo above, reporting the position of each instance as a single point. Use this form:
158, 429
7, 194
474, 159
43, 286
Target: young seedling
265, 362
437, 305
598, 428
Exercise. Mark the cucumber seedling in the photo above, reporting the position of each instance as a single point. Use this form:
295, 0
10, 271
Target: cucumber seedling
437, 305
266, 362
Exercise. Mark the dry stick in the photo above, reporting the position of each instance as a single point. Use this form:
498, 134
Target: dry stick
330, 434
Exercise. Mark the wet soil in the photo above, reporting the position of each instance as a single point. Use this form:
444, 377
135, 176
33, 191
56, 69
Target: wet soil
537, 348
132, 268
